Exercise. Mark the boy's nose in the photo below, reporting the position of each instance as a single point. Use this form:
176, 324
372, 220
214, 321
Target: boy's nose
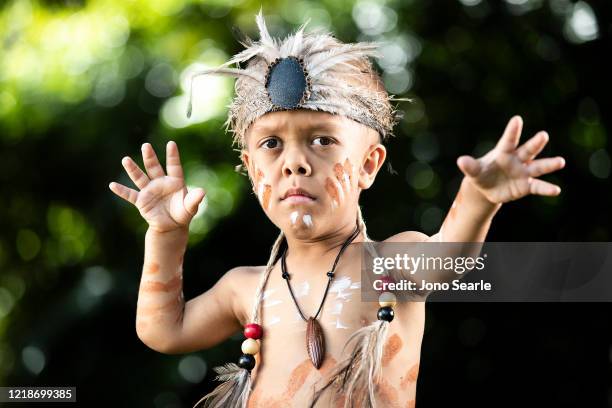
296, 164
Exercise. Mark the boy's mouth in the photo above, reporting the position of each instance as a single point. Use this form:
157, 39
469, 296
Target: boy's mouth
297, 195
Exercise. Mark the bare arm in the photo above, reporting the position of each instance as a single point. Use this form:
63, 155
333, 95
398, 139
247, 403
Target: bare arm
164, 321
504, 174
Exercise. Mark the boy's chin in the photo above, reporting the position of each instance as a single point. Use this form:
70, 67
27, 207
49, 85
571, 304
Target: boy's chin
299, 223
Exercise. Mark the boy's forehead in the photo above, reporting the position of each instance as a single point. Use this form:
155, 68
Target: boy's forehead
298, 119
305, 120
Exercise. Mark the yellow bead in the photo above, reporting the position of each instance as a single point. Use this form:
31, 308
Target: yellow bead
250, 346
387, 299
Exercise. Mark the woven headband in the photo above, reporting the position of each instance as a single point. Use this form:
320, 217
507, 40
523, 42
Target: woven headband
311, 71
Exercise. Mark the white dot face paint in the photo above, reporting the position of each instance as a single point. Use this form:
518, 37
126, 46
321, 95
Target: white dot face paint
347, 180
260, 190
307, 218
294, 215
340, 190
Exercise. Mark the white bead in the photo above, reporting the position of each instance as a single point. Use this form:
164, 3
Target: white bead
387, 299
250, 346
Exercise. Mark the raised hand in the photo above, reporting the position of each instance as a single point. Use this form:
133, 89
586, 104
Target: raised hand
509, 172
163, 200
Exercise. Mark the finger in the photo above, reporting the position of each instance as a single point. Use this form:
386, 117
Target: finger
541, 187
173, 160
512, 134
154, 169
544, 166
124, 192
531, 148
136, 175
469, 166
192, 200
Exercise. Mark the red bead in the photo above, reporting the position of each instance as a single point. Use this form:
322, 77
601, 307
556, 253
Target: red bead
386, 279
253, 331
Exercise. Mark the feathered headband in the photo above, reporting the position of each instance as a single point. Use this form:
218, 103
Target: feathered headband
304, 71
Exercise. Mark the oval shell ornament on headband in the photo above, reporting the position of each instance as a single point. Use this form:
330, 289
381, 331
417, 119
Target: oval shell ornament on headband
287, 83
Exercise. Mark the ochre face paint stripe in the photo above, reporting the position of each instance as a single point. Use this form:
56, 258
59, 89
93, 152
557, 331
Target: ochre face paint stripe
338, 171
338, 186
331, 189
348, 170
266, 196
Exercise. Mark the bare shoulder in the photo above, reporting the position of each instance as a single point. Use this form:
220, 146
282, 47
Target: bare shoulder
244, 280
408, 236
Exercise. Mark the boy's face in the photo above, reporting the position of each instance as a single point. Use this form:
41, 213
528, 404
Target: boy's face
308, 168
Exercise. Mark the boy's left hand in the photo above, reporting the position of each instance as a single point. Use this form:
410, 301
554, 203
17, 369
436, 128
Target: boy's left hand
509, 172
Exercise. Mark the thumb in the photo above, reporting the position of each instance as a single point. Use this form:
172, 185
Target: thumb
469, 166
192, 200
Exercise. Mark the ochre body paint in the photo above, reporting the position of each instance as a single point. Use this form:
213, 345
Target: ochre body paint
341, 185
387, 394
156, 308
296, 381
263, 190
156, 286
391, 348
410, 376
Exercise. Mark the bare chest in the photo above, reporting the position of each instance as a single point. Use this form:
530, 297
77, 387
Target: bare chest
285, 376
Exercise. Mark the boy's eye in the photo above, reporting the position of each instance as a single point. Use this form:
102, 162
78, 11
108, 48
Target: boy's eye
323, 141
270, 143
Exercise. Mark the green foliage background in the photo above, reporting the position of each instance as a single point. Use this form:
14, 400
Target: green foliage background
84, 83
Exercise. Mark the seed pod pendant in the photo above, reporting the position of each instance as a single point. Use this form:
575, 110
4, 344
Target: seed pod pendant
315, 342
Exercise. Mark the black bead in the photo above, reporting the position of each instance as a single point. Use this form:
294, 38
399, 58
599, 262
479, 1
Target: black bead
246, 361
385, 313
285, 275
330, 274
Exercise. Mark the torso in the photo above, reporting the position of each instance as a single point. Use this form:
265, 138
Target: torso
284, 375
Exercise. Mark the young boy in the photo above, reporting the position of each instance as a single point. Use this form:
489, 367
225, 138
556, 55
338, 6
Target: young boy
310, 131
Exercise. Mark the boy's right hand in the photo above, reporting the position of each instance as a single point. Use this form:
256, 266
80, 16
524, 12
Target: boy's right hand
163, 200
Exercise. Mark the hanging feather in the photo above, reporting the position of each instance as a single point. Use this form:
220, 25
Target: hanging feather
315, 342
356, 377
233, 392
219, 71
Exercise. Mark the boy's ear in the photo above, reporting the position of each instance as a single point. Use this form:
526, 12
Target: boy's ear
244, 156
372, 162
